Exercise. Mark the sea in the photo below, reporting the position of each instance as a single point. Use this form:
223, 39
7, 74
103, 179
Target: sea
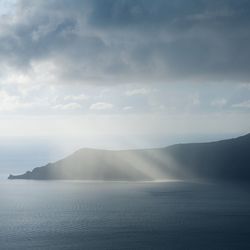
170, 215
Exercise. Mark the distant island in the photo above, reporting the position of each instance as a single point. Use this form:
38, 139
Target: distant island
226, 160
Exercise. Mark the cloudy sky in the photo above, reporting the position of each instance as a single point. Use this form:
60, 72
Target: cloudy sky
124, 68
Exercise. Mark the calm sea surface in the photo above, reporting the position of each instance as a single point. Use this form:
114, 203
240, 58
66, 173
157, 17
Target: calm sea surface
80, 215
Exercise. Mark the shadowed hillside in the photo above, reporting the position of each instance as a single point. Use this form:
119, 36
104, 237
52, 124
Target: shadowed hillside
227, 160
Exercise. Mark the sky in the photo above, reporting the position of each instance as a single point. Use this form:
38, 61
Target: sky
124, 73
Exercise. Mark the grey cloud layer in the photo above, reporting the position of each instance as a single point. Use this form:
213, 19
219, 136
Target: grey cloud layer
130, 40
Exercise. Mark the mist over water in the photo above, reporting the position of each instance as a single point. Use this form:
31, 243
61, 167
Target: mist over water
19, 154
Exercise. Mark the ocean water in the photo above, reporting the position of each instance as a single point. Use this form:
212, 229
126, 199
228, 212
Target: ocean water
115, 215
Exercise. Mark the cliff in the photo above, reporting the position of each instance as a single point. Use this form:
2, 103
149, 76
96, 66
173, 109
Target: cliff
227, 160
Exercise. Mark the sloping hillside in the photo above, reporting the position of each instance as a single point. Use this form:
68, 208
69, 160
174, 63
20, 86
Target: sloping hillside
222, 160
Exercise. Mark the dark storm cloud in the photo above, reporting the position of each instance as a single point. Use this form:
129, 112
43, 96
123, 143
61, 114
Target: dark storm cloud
127, 40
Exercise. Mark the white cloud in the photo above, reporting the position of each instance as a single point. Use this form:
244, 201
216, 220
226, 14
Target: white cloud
81, 97
245, 104
162, 107
101, 106
11, 102
6, 6
127, 108
219, 102
194, 99
142, 91
68, 106
244, 85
